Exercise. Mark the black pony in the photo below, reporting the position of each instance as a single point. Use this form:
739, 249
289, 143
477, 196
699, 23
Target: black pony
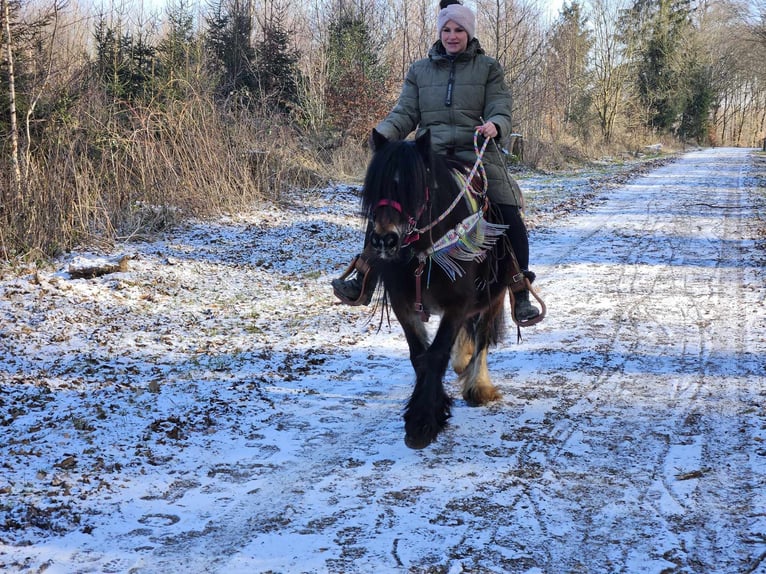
436, 251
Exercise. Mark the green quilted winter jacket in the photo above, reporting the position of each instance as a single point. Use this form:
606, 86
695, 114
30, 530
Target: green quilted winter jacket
449, 96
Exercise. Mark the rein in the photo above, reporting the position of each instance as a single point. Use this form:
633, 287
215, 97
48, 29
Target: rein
478, 166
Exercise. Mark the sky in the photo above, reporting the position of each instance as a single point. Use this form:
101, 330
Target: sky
552, 7
549, 8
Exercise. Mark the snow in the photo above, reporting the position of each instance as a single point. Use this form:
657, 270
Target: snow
211, 409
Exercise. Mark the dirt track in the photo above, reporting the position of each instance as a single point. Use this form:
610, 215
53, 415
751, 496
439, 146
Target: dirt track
249, 425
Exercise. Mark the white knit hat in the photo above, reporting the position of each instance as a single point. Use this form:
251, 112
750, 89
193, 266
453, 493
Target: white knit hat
460, 15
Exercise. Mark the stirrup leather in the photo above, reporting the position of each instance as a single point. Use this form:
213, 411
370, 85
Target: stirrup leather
363, 269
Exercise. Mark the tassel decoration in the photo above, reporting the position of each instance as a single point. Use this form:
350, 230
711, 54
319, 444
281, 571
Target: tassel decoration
468, 241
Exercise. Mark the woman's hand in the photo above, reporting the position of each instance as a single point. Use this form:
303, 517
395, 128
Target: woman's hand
488, 130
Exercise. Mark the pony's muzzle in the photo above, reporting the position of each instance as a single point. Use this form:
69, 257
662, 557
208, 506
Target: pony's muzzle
386, 243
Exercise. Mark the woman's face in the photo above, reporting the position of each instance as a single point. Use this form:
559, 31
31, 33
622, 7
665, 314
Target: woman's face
454, 38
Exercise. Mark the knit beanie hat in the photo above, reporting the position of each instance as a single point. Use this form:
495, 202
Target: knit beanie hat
460, 15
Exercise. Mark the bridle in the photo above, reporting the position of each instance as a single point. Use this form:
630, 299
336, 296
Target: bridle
413, 233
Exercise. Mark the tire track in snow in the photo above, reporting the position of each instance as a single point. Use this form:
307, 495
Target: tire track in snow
725, 438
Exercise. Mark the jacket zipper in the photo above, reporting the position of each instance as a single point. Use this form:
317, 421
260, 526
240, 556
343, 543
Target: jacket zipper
450, 83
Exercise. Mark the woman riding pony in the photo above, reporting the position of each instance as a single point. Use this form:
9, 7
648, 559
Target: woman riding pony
452, 93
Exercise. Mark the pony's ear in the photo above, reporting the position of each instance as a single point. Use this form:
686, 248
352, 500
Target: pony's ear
377, 140
423, 144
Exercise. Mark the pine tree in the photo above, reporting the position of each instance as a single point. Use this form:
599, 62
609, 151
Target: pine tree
277, 63
176, 51
355, 76
125, 64
659, 27
695, 119
568, 47
229, 40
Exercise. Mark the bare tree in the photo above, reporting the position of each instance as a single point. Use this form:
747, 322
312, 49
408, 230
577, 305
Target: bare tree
52, 18
510, 31
735, 52
759, 25
8, 48
609, 61
413, 31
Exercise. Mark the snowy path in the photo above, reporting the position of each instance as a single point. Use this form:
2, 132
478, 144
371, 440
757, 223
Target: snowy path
667, 325
206, 411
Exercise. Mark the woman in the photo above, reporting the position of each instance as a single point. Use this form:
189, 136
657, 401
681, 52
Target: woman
453, 92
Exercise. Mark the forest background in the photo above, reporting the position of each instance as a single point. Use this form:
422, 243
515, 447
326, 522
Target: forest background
118, 120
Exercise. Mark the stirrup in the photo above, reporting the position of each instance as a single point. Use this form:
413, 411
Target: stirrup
533, 320
363, 269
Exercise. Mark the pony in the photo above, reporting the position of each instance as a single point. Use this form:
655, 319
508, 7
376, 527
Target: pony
436, 248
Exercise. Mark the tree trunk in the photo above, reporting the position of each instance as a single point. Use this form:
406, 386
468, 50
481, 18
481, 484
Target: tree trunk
6, 15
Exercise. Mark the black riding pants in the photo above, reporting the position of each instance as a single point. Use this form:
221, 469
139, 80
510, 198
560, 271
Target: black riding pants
516, 233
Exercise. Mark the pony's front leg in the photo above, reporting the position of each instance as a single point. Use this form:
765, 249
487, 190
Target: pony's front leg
416, 335
429, 406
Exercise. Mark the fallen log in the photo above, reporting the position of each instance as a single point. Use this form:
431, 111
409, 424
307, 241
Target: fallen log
91, 269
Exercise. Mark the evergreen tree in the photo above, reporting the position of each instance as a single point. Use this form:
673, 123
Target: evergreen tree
277, 63
569, 44
124, 64
659, 28
229, 40
176, 50
355, 76
695, 120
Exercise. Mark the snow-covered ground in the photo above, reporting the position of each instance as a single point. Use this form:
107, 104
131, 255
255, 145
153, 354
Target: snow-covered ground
210, 409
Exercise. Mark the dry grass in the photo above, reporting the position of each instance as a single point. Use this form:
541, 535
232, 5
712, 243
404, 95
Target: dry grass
121, 173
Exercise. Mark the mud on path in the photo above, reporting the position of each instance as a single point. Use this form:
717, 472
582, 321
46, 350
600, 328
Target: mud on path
211, 409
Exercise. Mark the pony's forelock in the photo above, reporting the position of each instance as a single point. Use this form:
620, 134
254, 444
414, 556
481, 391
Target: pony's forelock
397, 171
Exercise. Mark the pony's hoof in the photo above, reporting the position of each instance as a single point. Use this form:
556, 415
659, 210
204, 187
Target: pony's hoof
478, 396
417, 443
419, 437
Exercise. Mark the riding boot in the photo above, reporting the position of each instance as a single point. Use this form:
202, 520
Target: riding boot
523, 310
357, 285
